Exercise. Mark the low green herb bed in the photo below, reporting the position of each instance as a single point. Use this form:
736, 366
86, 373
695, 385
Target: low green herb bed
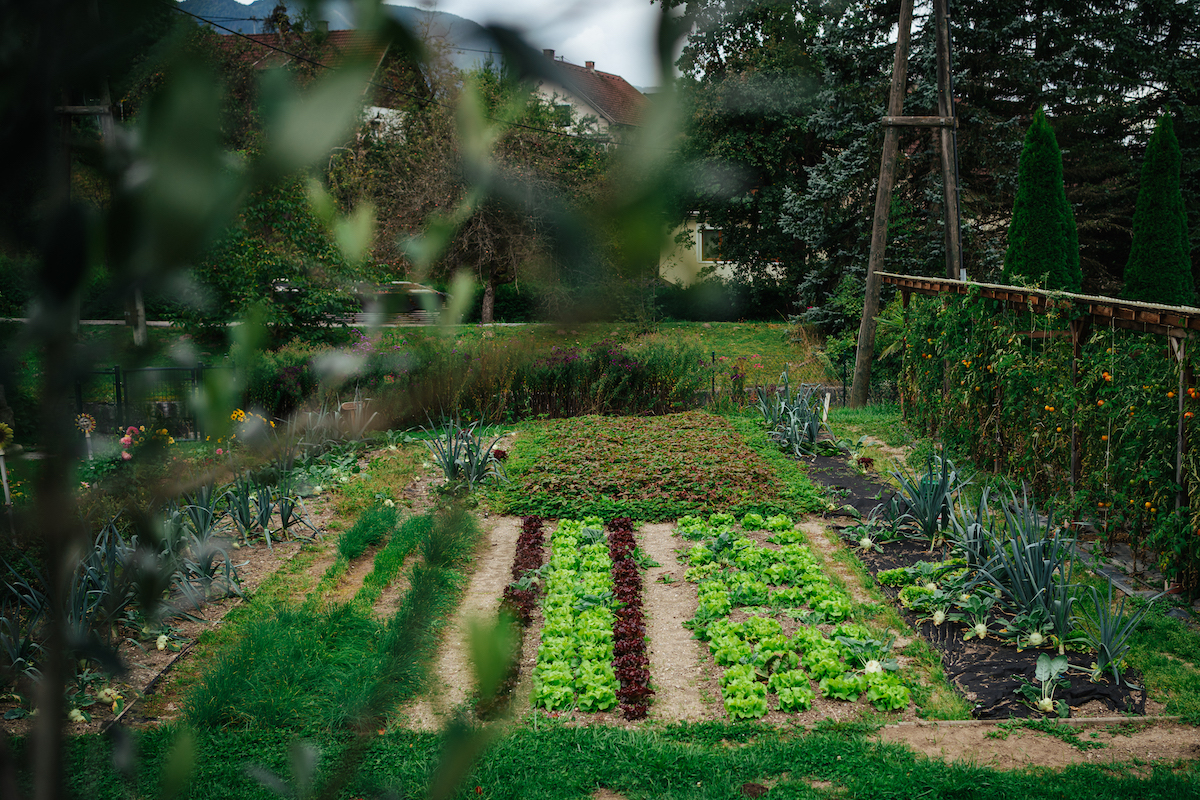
651, 468
325, 668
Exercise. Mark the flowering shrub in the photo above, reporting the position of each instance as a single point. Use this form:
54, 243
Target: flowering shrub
138, 441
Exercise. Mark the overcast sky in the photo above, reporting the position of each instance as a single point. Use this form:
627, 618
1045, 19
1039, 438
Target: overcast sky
617, 34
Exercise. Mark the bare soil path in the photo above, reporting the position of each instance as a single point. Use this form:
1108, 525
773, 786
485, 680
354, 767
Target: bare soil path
452, 679
669, 601
988, 745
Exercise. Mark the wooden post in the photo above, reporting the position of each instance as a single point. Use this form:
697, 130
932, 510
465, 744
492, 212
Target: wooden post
1179, 349
951, 223
883, 200
945, 120
135, 316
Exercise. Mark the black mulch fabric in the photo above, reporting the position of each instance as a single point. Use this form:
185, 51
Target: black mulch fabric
984, 671
848, 486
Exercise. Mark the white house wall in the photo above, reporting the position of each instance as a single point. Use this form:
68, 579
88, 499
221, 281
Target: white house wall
680, 263
555, 95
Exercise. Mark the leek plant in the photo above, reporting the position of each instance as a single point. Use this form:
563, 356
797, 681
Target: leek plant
463, 457
1111, 629
924, 503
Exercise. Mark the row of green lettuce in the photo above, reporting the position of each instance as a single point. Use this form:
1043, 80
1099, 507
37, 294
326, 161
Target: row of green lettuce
574, 664
764, 668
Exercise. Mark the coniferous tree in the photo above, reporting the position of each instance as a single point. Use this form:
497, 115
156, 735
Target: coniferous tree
1160, 268
1043, 243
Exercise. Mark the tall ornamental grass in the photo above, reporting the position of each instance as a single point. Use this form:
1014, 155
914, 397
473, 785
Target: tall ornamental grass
502, 380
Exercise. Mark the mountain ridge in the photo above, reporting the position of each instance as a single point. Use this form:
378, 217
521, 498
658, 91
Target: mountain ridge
468, 43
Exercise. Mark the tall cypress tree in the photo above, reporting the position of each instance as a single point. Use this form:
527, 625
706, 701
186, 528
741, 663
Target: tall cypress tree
1043, 243
1160, 265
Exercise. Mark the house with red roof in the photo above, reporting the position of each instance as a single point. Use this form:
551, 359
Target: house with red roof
584, 92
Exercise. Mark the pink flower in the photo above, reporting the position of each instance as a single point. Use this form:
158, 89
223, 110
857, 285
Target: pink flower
126, 441
220, 452
131, 430
125, 455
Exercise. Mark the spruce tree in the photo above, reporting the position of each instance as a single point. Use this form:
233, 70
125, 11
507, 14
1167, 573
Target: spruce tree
1160, 268
1043, 243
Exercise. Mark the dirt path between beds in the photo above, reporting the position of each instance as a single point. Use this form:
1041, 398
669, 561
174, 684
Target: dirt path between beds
668, 600
452, 679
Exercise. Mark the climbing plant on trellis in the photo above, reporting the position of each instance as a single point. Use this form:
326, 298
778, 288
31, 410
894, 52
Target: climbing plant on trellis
999, 388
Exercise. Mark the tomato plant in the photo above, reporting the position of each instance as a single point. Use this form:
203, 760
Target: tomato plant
998, 388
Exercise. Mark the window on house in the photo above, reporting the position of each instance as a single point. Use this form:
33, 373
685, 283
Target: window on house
710, 244
562, 114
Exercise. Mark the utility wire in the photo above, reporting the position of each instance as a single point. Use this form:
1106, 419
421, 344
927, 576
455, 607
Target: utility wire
392, 90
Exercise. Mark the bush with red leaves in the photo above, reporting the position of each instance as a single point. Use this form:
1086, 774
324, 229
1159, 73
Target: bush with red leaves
630, 662
518, 605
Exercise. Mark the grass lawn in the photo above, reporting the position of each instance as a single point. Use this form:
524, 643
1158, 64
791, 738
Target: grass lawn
555, 761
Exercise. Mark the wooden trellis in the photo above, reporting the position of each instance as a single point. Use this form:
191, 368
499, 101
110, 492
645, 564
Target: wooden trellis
946, 123
1177, 323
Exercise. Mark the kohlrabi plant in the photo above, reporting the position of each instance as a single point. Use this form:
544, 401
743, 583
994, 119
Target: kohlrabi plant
975, 610
1048, 673
1030, 629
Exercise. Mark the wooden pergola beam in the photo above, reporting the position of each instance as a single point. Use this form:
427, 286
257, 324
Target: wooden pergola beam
920, 122
1177, 322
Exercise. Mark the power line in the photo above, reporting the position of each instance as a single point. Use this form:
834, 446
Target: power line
392, 90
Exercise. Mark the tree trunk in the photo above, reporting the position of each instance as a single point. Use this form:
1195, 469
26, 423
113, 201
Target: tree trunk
949, 147
487, 314
135, 317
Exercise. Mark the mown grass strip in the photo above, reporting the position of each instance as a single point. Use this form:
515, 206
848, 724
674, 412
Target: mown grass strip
390, 558
685, 762
311, 668
1167, 652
